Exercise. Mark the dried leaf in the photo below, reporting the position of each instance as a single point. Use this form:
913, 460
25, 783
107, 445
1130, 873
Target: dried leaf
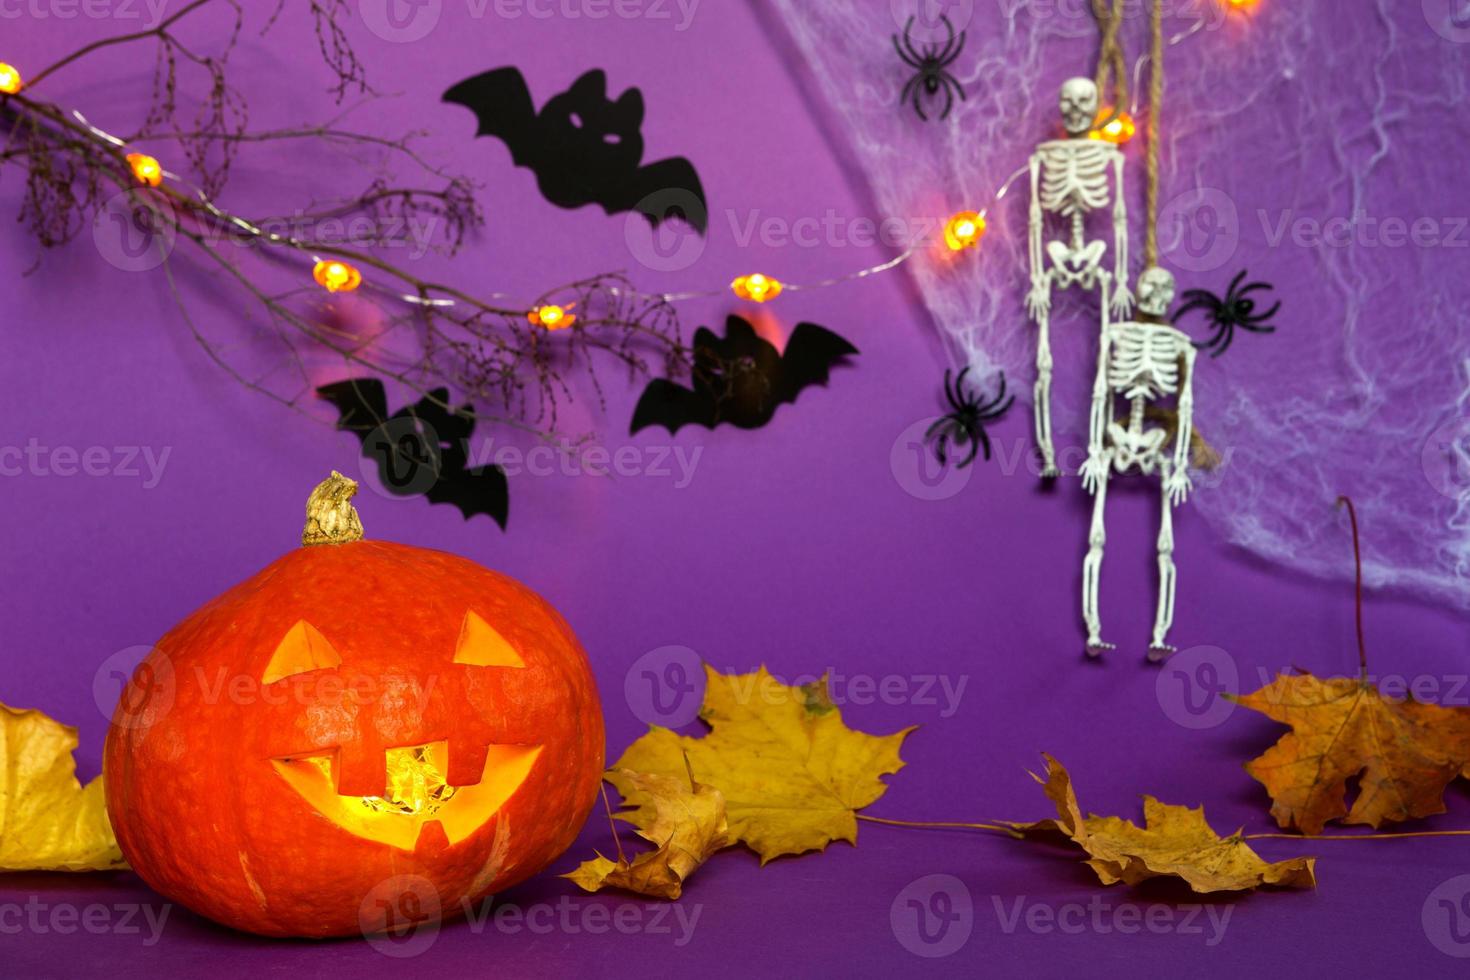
1175, 843
688, 825
48, 821
1403, 752
793, 775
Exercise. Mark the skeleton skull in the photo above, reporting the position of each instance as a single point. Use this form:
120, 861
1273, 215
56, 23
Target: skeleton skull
1155, 291
1079, 105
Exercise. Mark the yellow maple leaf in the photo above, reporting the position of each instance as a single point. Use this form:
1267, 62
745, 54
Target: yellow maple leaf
1176, 842
686, 821
48, 821
793, 775
1403, 752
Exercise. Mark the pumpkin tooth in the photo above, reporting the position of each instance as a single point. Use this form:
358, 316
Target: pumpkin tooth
360, 773
466, 762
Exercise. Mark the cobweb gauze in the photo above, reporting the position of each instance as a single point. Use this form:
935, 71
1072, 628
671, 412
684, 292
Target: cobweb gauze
1310, 142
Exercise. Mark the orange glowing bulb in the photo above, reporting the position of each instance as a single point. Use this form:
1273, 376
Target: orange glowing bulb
148, 170
552, 317
10, 82
1119, 129
335, 276
964, 231
1241, 4
757, 288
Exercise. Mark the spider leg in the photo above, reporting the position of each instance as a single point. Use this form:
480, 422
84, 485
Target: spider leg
1235, 283
949, 395
1228, 332
1214, 339
919, 102
1259, 318
990, 413
943, 53
908, 43
904, 55
949, 99
971, 438
910, 89
985, 442
950, 57
1197, 299
938, 424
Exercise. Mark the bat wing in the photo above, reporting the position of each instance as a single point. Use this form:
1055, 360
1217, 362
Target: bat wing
502, 105
665, 189
361, 404
482, 490
811, 353
672, 406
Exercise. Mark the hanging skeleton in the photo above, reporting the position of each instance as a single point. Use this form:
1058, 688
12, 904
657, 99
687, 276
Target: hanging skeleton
1073, 178
1144, 361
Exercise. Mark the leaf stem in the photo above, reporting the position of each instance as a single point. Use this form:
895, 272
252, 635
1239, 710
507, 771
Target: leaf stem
1358, 559
941, 825
1402, 836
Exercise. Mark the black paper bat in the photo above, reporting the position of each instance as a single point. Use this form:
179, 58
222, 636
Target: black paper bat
583, 147
741, 379
421, 450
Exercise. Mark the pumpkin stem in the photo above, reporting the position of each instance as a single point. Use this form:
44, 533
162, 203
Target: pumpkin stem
330, 516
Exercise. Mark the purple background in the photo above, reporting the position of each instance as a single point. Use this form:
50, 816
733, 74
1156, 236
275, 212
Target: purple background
798, 546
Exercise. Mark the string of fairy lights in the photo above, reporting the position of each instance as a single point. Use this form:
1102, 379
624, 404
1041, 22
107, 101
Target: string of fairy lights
963, 231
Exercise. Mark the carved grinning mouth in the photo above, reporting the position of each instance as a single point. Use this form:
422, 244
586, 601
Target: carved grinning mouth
415, 794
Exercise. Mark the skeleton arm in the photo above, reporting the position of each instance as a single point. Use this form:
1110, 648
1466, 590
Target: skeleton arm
1038, 299
1095, 470
1179, 484
1123, 298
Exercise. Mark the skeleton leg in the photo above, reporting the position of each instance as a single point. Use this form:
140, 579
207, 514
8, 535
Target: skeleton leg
1160, 649
1042, 398
1092, 569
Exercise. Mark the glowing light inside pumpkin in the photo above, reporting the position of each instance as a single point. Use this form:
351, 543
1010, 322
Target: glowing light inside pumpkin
552, 317
416, 783
964, 231
336, 276
1119, 129
147, 169
10, 82
757, 288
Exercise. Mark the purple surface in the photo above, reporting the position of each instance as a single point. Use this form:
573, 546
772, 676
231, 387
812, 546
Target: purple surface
798, 546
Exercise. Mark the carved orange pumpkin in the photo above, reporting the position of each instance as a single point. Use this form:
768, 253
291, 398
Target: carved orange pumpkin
359, 722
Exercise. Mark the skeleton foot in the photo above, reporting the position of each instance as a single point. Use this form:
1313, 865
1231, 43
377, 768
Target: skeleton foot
1159, 652
1096, 648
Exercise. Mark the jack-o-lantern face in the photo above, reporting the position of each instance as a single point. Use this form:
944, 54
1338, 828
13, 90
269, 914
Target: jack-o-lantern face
354, 713
417, 792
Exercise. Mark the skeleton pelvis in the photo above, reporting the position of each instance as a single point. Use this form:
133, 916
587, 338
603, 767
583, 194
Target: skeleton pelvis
1142, 449
1073, 264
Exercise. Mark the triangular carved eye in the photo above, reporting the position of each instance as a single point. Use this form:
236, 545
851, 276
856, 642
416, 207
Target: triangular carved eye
481, 645
303, 649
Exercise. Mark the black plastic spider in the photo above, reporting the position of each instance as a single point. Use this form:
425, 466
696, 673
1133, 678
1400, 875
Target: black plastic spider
932, 63
1235, 310
966, 424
